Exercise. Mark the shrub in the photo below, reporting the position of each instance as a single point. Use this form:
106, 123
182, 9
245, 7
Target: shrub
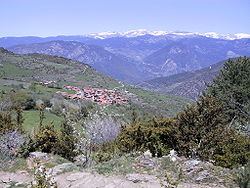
66, 146
243, 176
231, 149
195, 122
154, 136
46, 139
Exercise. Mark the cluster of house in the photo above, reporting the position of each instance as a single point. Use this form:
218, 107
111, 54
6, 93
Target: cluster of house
101, 96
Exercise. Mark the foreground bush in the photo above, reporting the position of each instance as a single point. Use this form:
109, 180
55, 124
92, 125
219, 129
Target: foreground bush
243, 176
155, 136
199, 131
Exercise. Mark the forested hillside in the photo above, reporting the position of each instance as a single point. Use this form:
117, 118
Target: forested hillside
187, 84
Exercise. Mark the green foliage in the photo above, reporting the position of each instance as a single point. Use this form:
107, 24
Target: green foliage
6, 122
41, 115
195, 123
32, 86
232, 88
66, 146
226, 148
46, 139
19, 116
203, 129
243, 176
153, 135
22, 98
27, 147
11, 117
107, 151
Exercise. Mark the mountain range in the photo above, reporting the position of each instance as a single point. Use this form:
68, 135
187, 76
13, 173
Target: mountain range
20, 71
97, 57
187, 84
137, 56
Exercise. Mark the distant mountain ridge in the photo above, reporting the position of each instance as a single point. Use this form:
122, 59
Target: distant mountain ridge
188, 84
142, 32
18, 71
142, 56
96, 56
43, 68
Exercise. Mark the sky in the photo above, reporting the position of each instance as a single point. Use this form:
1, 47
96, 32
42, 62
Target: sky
79, 17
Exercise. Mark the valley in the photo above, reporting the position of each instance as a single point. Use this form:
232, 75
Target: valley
137, 57
142, 111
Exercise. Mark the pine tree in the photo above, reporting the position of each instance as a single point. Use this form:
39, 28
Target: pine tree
19, 116
67, 142
41, 116
232, 88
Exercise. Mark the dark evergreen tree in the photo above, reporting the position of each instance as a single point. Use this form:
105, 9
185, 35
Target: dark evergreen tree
232, 88
67, 142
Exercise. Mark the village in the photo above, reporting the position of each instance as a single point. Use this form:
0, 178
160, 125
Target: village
100, 96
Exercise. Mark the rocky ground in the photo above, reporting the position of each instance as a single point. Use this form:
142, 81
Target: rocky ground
146, 172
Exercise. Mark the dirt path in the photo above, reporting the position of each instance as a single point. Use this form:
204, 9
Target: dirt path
21, 177
89, 180
78, 179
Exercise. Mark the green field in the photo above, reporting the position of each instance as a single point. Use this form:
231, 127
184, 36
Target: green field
31, 120
14, 70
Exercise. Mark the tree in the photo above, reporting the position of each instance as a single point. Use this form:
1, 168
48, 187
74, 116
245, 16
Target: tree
46, 139
41, 116
232, 88
19, 117
66, 146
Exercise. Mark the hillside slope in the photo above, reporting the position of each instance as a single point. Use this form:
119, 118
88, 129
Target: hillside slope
134, 59
188, 84
24, 69
40, 68
193, 54
102, 60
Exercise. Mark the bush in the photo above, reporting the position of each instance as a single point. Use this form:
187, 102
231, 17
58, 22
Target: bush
154, 136
243, 176
66, 145
46, 139
226, 148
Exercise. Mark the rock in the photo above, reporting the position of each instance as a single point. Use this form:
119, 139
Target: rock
23, 172
39, 102
19, 184
6, 180
77, 176
202, 176
62, 167
81, 160
111, 185
140, 177
147, 154
173, 155
39, 155
192, 163
147, 163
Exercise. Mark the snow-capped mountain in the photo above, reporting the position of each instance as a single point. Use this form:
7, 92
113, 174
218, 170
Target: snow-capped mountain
139, 54
142, 32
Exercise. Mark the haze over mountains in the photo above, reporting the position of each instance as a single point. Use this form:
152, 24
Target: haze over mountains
140, 55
